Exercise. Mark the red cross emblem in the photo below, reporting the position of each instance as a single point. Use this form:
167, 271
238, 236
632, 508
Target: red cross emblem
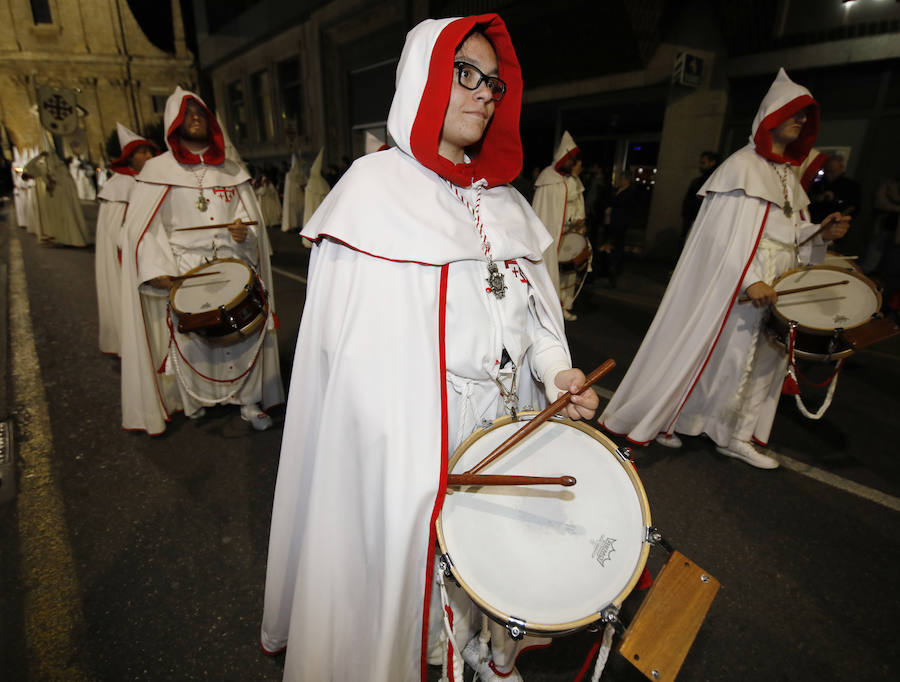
225, 193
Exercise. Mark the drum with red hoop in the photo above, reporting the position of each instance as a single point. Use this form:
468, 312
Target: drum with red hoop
821, 315
222, 301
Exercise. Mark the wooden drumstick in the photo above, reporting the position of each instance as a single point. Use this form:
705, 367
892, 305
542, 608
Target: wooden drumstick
542, 416
746, 299
181, 278
215, 227
491, 479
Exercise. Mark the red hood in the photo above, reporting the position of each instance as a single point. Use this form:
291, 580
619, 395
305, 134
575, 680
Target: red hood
498, 156
120, 165
215, 153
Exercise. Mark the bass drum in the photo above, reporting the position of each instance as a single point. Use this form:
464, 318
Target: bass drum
550, 556
822, 315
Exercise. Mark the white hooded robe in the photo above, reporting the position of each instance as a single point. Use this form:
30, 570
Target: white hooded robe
705, 365
162, 369
399, 344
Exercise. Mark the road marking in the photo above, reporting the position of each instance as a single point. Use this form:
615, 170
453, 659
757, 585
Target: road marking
820, 475
288, 273
53, 612
834, 481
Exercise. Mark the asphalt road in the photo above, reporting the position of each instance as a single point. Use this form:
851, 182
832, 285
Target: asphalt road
127, 557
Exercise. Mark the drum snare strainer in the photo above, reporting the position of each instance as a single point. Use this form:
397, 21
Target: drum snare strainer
546, 558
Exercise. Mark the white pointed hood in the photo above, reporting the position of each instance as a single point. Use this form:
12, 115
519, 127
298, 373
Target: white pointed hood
129, 141
181, 167
751, 168
565, 150
424, 79
784, 99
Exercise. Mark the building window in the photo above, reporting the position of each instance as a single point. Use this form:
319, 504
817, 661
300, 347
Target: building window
261, 96
159, 103
291, 95
40, 10
237, 113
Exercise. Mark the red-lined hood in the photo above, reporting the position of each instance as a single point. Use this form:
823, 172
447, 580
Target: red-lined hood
424, 79
129, 141
783, 100
174, 116
565, 150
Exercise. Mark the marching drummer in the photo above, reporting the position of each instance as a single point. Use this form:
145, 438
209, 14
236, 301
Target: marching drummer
705, 365
428, 314
191, 205
559, 203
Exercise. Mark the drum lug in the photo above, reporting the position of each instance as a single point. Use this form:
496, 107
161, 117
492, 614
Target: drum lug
610, 616
833, 342
516, 628
445, 566
654, 537
625, 454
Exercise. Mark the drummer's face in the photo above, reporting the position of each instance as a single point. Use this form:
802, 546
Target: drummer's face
194, 127
468, 111
139, 157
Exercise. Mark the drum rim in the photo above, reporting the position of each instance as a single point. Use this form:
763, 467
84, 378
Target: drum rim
552, 629
228, 306
826, 331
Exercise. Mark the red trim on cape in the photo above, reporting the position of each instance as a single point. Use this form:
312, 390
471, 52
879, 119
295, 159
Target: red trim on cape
797, 150
137, 247
444, 455
120, 165
501, 143
373, 255
624, 435
734, 296
215, 153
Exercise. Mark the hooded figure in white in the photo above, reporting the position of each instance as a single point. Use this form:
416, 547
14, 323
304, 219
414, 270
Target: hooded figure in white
78, 169
269, 203
398, 298
559, 202
162, 369
59, 218
292, 206
705, 365
114, 197
316, 188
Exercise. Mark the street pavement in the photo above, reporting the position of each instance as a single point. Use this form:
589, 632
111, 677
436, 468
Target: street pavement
128, 557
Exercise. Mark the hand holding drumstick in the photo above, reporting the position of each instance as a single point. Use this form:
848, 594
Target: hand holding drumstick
580, 405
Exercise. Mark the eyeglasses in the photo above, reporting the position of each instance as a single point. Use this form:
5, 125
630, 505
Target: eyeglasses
470, 77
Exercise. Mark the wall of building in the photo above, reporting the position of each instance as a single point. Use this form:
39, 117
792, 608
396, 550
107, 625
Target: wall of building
95, 47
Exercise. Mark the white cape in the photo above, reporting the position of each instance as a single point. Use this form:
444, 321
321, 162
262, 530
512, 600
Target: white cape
114, 197
349, 570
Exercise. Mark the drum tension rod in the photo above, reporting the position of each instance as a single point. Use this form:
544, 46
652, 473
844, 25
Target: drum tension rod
654, 537
445, 564
516, 628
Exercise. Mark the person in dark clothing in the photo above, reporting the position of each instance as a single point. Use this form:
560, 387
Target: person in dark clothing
690, 205
621, 204
834, 191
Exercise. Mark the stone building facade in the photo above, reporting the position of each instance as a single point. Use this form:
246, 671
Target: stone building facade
97, 48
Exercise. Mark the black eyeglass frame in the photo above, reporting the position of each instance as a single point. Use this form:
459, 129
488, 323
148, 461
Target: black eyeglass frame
483, 78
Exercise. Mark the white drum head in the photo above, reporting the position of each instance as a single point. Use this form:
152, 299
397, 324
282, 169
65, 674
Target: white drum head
845, 306
571, 245
554, 557
201, 294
